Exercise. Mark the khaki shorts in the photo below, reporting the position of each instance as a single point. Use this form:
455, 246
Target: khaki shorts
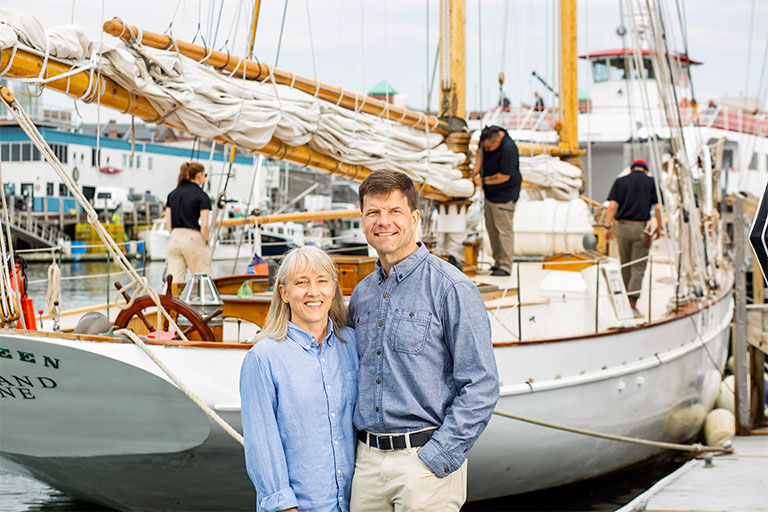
187, 250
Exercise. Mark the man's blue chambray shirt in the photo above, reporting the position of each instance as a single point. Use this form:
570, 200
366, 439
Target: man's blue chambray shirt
297, 404
426, 357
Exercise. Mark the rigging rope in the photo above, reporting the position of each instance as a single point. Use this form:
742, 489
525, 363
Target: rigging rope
53, 294
280, 38
691, 448
9, 295
26, 124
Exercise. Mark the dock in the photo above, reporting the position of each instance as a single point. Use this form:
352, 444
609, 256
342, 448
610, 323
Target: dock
736, 481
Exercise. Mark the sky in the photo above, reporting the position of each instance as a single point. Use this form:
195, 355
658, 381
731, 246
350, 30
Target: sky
355, 44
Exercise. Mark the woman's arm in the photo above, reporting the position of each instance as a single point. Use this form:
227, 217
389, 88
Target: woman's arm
168, 218
264, 453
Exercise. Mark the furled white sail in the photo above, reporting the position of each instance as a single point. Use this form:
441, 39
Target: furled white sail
202, 101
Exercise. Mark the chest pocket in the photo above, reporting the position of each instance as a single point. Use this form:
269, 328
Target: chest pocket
409, 331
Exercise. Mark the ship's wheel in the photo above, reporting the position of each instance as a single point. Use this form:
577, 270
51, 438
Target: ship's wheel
141, 316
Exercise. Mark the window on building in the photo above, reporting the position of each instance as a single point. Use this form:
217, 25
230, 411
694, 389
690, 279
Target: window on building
36, 156
49, 189
95, 159
61, 151
138, 161
753, 162
149, 163
15, 152
63, 190
5, 152
26, 152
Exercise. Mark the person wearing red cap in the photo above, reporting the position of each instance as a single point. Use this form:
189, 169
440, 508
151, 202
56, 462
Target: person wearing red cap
630, 201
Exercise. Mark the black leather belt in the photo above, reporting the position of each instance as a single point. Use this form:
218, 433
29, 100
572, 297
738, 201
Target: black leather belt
387, 442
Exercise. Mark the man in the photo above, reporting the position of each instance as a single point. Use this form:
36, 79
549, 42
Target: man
539, 105
428, 380
497, 170
630, 201
186, 217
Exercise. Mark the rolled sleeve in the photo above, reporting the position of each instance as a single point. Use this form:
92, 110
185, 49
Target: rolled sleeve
467, 333
280, 500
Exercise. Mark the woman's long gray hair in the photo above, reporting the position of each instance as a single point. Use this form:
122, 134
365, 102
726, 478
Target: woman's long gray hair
296, 260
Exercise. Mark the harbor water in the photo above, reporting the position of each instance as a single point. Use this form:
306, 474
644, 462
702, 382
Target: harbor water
22, 494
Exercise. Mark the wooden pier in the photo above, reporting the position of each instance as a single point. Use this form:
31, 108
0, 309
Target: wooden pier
731, 482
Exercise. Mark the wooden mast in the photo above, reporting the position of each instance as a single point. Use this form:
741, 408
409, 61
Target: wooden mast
454, 91
569, 96
83, 85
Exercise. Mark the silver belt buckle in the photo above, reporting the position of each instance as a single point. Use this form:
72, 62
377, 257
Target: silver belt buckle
391, 443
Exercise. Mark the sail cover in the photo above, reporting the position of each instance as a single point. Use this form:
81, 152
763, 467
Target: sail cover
204, 102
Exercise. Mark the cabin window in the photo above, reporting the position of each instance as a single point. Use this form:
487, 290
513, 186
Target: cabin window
15, 152
26, 152
49, 189
35, 154
600, 71
5, 152
753, 162
728, 159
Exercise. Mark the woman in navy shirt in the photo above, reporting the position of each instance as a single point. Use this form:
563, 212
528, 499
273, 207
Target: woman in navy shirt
298, 387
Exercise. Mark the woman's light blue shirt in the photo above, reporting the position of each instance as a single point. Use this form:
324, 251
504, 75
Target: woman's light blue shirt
297, 403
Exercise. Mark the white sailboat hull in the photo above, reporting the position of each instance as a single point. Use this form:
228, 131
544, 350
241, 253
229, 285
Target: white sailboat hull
100, 422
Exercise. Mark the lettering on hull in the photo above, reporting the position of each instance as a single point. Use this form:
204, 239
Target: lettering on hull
26, 387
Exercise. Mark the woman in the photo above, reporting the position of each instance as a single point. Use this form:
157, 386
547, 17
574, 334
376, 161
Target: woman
298, 387
186, 217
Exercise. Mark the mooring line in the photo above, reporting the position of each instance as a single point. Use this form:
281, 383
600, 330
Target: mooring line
694, 448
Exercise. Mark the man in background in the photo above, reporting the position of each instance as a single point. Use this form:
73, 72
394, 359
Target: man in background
497, 170
630, 201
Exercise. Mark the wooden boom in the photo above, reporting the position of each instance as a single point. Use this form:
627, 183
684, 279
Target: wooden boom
259, 71
114, 96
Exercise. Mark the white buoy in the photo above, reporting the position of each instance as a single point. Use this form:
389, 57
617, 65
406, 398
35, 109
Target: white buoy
726, 399
719, 425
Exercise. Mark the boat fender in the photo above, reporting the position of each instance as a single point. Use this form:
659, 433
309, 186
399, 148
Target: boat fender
719, 426
93, 323
725, 399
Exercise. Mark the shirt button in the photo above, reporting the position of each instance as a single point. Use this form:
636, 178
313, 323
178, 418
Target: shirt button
386, 295
377, 409
380, 324
378, 381
378, 352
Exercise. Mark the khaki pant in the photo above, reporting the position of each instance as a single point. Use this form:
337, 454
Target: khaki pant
632, 247
498, 223
399, 481
187, 249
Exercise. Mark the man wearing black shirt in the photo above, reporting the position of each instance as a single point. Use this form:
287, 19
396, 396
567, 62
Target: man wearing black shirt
631, 198
186, 217
497, 170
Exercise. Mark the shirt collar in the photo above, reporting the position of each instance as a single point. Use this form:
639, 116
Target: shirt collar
306, 340
405, 267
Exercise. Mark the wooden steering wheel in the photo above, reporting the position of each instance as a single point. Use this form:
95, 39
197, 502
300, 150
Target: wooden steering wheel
142, 315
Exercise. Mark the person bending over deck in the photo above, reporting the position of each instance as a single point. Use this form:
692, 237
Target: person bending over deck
298, 386
630, 201
497, 170
186, 217
428, 380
